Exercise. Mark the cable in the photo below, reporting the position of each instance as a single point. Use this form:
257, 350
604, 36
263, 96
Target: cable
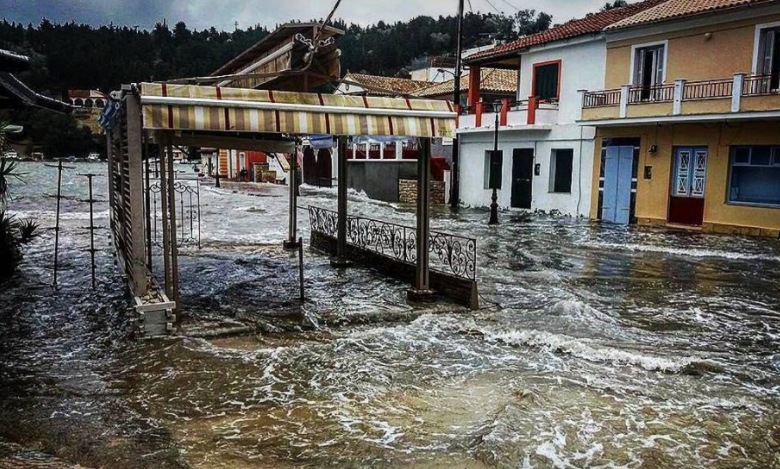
494, 7
512, 6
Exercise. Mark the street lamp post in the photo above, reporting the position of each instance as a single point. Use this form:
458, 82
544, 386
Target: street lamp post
494, 198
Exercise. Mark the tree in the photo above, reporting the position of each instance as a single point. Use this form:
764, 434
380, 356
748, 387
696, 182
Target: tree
615, 4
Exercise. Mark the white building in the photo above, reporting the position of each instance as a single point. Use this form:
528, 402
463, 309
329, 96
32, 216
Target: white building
547, 156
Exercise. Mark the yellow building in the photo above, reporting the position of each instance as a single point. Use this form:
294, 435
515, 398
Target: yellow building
688, 127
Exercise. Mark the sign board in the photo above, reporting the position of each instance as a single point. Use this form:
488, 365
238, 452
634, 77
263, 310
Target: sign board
496, 167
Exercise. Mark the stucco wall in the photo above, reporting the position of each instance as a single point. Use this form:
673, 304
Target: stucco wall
691, 55
474, 146
652, 204
379, 179
582, 67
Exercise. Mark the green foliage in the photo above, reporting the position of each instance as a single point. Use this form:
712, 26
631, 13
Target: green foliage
57, 135
9, 169
10, 254
615, 4
28, 230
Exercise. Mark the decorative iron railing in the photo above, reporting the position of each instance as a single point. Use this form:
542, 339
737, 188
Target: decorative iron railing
187, 195
451, 254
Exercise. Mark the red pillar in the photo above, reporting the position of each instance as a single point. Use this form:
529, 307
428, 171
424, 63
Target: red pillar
475, 83
502, 119
532, 105
478, 117
458, 110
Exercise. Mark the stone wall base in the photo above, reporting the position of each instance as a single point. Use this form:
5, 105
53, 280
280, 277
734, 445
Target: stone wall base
407, 192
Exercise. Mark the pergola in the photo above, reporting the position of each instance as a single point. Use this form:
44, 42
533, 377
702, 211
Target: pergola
249, 119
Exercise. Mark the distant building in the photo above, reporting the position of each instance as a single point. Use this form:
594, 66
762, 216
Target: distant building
87, 106
359, 84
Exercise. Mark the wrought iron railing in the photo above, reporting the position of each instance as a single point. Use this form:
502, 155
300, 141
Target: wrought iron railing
187, 213
451, 254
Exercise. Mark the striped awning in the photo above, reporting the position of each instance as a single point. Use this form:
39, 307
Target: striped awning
209, 108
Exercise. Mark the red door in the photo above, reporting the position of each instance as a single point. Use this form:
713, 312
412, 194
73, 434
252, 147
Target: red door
689, 176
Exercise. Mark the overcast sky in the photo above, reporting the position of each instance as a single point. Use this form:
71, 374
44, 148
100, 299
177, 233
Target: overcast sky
222, 14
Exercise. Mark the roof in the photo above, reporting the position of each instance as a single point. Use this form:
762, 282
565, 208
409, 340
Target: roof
590, 25
11, 62
386, 86
493, 80
217, 109
84, 94
14, 93
674, 9
281, 34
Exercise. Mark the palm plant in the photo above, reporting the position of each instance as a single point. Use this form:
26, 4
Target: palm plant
12, 231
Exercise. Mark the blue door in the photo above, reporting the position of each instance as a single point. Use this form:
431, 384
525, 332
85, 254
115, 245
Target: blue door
618, 166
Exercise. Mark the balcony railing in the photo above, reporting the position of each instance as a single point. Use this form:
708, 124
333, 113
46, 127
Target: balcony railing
530, 111
651, 94
681, 91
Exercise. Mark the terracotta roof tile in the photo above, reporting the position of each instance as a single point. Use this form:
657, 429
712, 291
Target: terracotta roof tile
494, 80
389, 86
672, 9
592, 24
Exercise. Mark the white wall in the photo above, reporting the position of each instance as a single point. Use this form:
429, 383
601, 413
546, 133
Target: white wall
472, 164
582, 67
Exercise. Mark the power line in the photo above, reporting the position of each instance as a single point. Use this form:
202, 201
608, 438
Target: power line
511, 6
494, 7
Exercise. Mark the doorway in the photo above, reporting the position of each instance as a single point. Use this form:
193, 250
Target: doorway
522, 177
686, 204
618, 174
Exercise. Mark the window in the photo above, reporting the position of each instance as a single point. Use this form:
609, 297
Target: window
769, 56
755, 175
546, 80
649, 69
561, 170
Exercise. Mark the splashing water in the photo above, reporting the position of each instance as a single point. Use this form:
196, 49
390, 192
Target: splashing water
598, 346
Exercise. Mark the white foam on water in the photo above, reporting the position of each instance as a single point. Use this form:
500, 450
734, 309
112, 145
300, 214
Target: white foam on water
580, 310
691, 252
586, 349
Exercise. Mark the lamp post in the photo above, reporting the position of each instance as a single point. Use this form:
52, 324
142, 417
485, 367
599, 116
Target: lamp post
496, 161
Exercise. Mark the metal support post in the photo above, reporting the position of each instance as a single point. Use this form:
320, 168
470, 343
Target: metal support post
292, 240
422, 289
494, 198
455, 179
162, 139
57, 222
174, 243
341, 240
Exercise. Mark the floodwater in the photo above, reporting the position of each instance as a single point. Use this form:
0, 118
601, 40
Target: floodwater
597, 346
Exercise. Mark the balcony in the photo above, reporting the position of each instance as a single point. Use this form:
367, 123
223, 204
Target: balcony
742, 96
531, 114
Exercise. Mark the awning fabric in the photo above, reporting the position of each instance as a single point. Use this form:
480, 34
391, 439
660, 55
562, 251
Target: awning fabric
209, 108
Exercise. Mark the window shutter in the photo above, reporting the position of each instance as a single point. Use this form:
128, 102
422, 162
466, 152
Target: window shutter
659, 66
768, 51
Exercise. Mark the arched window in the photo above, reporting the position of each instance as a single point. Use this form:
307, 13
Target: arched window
88, 103
78, 102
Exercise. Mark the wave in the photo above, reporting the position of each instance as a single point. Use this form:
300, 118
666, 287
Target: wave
589, 350
690, 252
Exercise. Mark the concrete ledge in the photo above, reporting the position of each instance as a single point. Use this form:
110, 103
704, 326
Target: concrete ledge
462, 291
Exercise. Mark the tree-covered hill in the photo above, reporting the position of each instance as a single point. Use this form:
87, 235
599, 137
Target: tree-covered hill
72, 55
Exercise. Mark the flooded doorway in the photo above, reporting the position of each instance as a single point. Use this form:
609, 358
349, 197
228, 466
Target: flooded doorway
686, 204
522, 177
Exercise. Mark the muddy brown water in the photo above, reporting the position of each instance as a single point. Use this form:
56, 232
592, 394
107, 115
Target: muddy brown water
597, 346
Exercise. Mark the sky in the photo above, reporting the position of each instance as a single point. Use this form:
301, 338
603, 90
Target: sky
222, 14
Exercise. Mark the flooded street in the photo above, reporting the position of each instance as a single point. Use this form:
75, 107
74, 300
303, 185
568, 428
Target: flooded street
596, 346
